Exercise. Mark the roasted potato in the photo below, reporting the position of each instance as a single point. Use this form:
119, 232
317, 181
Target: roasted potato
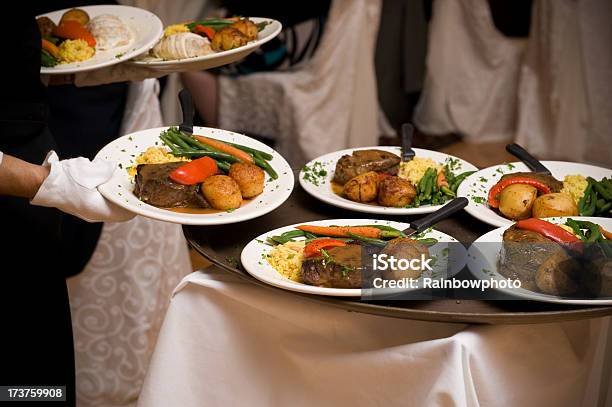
395, 192
556, 275
362, 188
404, 248
228, 38
76, 14
555, 204
45, 26
249, 177
222, 192
247, 27
515, 201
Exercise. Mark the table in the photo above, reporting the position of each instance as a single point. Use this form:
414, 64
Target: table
223, 244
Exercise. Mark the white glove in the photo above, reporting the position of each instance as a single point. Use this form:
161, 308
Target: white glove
72, 188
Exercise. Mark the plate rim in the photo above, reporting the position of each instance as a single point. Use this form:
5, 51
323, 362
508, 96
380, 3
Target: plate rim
474, 209
249, 47
197, 219
314, 290
528, 294
126, 56
365, 208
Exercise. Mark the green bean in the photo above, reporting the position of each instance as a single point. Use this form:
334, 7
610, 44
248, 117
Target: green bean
260, 162
576, 228
177, 138
448, 192
594, 233
603, 191
198, 144
394, 232
370, 240
604, 208
171, 145
212, 154
224, 165
428, 241
590, 209
294, 233
459, 179
582, 203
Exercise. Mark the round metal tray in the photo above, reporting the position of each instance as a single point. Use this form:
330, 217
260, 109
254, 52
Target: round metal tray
223, 244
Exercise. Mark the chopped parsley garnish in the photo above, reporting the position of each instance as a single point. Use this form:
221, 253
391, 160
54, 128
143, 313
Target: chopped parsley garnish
478, 199
314, 174
483, 179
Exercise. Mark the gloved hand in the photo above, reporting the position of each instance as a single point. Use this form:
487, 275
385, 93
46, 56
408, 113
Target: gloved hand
72, 188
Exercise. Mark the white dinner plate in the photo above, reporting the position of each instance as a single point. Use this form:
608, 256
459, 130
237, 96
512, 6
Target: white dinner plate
322, 189
476, 187
253, 258
146, 28
214, 59
482, 262
119, 189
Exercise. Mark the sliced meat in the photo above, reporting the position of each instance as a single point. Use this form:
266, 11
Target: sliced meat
362, 161
404, 248
343, 271
154, 187
554, 184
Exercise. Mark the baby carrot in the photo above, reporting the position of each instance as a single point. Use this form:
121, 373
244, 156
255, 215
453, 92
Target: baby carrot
226, 148
51, 48
342, 231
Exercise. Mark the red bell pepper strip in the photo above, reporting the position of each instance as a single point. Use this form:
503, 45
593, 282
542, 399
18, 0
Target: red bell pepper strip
314, 248
207, 31
497, 188
195, 171
548, 230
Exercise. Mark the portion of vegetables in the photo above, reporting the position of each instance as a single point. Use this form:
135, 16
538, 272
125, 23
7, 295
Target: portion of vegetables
549, 230
194, 172
597, 198
437, 188
223, 153
73, 30
314, 247
343, 231
501, 185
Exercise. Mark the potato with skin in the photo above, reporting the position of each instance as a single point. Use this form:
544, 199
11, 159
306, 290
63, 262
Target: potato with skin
222, 192
228, 38
247, 27
555, 204
516, 200
249, 177
395, 192
76, 14
363, 187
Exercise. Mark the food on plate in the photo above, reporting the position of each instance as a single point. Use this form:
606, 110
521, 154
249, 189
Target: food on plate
75, 14
395, 192
181, 45
45, 26
570, 259
222, 192
228, 38
249, 177
154, 186
331, 256
109, 31
576, 195
362, 161
76, 37
206, 36
363, 187
193, 175
516, 201
379, 177
75, 51
554, 204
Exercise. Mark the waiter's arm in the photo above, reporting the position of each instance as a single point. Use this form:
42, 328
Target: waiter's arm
20, 178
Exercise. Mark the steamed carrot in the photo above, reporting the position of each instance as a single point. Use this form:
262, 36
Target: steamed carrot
73, 30
226, 148
607, 235
441, 180
51, 48
342, 231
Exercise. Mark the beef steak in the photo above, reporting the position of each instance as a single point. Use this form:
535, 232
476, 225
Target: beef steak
154, 186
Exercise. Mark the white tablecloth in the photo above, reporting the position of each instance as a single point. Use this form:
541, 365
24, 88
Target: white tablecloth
226, 342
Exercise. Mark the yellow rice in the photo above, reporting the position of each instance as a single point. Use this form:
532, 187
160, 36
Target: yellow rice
574, 185
75, 51
287, 259
414, 169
